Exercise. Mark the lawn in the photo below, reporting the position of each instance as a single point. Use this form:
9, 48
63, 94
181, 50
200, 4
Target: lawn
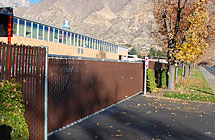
194, 88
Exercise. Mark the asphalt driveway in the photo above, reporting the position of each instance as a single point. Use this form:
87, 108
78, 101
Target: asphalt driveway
147, 118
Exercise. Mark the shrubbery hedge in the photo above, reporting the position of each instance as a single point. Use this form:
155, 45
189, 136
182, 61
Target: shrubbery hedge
163, 78
151, 85
12, 110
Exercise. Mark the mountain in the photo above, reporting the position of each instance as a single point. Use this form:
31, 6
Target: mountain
14, 3
117, 21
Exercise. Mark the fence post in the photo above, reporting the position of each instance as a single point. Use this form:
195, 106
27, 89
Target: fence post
46, 95
145, 68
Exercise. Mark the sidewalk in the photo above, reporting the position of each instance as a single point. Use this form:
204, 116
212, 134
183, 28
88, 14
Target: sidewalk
147, 118
210, 78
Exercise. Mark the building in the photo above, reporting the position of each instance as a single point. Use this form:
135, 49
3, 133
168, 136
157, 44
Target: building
62, 41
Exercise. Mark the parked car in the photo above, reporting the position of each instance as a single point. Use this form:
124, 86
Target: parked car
133, 58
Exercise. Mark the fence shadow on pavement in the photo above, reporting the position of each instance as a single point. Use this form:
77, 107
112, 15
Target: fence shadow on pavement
126, 126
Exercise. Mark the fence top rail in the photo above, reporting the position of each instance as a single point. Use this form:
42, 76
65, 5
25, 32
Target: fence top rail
54, 56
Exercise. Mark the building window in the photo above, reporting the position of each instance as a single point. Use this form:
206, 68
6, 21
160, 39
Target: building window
51, 34
82, 51
41, 32
68, 39
46, 31
95, 44
15, 26
106, 47
28, 29
79, 50
72, 39
76, 38
82, 41
106, 44
102, 46
56, 35
64, 37
60, 36
21, 27
79, 40
89, 42
86, 42
35, 30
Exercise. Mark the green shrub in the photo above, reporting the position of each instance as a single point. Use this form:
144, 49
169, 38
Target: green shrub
151, 85
12, 110
163, 78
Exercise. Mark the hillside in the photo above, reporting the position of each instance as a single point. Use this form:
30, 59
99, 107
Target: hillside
15, 3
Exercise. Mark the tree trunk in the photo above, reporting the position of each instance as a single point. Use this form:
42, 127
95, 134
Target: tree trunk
186, 70
171, 77
176, 74
182, 73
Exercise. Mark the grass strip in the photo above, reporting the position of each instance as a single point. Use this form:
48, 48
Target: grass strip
194, 88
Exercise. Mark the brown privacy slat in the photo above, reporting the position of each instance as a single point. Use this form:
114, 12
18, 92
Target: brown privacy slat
17, 63
42, 101
22, 76
7, 70
43, 71
25, 73
34, 93
3, 62
34, 74
29, 83
10, 62
13, 61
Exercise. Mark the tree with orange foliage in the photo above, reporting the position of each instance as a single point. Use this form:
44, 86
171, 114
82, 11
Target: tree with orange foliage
172, 16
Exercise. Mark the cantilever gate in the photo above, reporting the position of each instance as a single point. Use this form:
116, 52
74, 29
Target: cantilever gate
27, 65
78, 88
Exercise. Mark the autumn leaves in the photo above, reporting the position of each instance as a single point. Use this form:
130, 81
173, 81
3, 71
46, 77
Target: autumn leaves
193, 39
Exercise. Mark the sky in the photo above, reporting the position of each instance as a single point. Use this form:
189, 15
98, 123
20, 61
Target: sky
34, 1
